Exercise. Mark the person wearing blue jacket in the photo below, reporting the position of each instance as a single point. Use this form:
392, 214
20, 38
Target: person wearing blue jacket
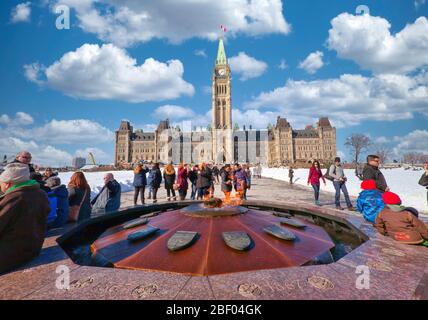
155, 180
370, 202
140, 182
62, 207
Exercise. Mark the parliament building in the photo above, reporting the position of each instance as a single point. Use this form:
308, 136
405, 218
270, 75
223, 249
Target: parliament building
223, 143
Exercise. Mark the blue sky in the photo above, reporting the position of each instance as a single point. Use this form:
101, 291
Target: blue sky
368, 73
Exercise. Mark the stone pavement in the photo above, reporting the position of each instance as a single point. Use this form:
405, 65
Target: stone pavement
396, 271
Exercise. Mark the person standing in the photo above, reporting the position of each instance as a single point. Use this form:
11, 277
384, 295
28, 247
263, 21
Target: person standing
216, 173
226, 181
61, 194
246, 169
291, 174
149, 181
203, 182
193, 177
240, 181
315, 174
169, 180
24, 157
339, 181
155, 178
108, 199
371, 172
79, 198
424, 179
24, 209
183, 185
140, 182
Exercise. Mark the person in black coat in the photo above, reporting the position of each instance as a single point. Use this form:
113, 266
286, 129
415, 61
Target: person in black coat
140, 182
193, 177
226, 181
155, 180
204, 180
371, 172
169, 178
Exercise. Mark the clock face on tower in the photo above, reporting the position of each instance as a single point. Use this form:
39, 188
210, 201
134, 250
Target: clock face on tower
222, 72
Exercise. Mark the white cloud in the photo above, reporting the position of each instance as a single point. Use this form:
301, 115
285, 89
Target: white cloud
348, 100
313, 62
415, 141
42, 154
109, 73
70, 132
200, 53
247, 67
367, 40
256, 118
20, 119
33, 72
283, 65
21, 13
173, 112
80, 131
132, 21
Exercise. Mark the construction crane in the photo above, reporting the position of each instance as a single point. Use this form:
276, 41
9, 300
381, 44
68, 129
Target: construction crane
91, 156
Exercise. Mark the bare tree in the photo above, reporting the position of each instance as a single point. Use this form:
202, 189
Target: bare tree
414, 158
383, 152
358, 143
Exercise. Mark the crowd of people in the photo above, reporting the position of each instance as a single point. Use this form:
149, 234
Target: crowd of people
31, 202
376, 202
200, 179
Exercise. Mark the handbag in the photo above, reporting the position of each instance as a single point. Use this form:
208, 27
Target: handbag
73, 214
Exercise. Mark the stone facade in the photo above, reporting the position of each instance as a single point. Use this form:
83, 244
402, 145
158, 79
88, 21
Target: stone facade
277, 145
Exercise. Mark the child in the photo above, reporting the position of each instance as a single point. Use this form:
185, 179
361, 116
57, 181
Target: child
400, 224
370, 202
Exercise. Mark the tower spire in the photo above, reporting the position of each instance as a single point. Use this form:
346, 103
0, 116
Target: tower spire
221, 53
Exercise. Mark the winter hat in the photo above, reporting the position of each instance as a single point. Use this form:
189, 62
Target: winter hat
391, 198
53, 182
368, 185
15, 173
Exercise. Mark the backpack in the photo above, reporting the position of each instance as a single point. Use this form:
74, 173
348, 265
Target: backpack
53, 203
328, 176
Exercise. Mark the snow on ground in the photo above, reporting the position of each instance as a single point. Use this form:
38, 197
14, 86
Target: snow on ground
96, 182
403, 182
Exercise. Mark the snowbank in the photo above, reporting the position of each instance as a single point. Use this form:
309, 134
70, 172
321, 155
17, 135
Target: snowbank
403, 182
96, 182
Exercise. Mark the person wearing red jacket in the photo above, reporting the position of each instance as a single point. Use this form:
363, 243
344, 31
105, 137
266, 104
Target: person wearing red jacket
315, 174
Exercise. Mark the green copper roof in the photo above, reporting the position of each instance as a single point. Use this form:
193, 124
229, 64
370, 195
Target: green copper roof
221, 54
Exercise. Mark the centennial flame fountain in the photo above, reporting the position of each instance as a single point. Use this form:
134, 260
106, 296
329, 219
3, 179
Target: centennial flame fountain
211, 238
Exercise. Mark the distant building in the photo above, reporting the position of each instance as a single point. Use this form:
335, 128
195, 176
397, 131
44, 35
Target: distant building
78, 162
223, 143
